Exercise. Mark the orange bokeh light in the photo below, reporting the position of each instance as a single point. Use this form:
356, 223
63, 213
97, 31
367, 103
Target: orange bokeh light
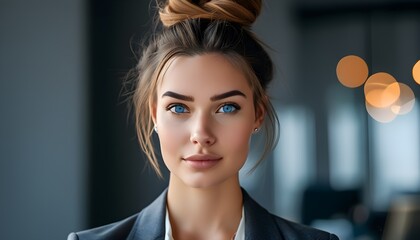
416, 72
352, 71
405, 102
381, 90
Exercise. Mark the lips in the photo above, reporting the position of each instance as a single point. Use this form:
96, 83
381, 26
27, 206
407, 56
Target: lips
203, 157
202, 161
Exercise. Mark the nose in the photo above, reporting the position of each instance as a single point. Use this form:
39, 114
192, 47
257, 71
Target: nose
201, 131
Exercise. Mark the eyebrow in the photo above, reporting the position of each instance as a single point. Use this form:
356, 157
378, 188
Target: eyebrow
178, 96
213, 98
227, 94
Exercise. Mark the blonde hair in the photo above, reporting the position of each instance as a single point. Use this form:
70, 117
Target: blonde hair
198, 27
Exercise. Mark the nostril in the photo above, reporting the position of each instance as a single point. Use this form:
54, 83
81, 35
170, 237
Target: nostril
204, 142
210, 141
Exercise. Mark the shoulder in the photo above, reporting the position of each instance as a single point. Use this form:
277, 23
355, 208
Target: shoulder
146, 225
292, 230
261, 224
117, 230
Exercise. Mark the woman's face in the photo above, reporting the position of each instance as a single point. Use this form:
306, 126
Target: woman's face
205, 117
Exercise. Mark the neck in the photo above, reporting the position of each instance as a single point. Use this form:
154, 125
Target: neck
204, 213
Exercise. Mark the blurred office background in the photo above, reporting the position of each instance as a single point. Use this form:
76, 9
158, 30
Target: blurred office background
69, 158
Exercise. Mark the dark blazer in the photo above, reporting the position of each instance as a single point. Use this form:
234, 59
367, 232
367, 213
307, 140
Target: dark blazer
149, 224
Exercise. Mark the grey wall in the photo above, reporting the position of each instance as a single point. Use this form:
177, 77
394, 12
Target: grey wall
42, 118
119, 180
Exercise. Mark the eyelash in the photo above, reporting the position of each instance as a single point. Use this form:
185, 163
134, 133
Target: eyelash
172, 108
234, 105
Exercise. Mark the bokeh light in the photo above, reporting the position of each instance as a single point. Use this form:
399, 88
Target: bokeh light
352, 71
383, 115
381, 90
416, 72
405, 102
385, 97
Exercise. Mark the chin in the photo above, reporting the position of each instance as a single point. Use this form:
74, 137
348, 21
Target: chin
200, 183
204, 181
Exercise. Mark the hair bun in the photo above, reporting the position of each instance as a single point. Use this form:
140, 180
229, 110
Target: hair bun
243, 12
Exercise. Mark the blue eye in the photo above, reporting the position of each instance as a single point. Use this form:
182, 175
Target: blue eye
228, 108
176, 108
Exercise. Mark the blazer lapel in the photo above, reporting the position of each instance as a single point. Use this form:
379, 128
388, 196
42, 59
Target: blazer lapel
150, 224
259, 223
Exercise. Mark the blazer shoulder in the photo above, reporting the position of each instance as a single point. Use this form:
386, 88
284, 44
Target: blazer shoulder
261, 224
293, 230
117, 230
145, 225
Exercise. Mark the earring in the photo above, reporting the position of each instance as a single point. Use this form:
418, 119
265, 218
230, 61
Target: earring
256, 130
155, 128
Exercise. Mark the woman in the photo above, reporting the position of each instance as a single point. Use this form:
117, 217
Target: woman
201, 89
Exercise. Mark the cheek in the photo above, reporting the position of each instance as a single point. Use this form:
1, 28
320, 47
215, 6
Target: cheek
237, 139
172, 136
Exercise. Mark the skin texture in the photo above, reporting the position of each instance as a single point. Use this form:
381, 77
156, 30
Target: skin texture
204, 111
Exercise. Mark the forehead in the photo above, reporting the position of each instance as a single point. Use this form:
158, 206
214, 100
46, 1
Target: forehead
203, 74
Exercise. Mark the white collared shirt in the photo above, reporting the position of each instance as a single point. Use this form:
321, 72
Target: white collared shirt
240, 232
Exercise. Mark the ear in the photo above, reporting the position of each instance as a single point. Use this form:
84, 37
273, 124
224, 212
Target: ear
259, 115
